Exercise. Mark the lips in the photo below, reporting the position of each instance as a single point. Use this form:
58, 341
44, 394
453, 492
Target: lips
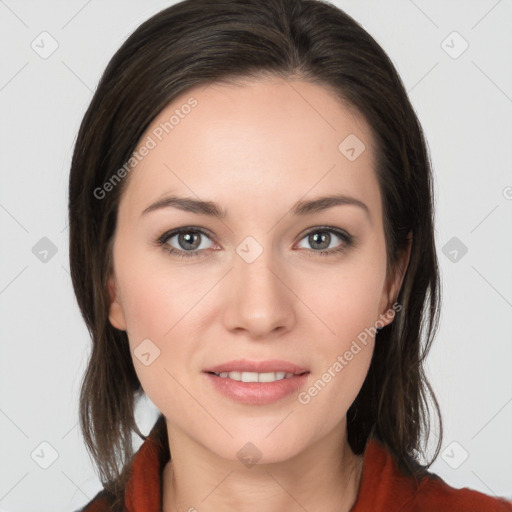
245, 365
257, 393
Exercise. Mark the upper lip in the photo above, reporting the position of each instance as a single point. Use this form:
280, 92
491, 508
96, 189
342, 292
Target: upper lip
245, 365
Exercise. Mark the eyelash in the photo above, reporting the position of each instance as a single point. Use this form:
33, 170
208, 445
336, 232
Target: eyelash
349, 241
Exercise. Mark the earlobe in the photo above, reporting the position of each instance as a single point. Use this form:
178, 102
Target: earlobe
116, 314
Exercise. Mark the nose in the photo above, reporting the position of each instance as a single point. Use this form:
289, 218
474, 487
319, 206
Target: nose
259, 300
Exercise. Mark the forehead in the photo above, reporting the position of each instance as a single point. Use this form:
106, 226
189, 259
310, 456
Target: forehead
249, 144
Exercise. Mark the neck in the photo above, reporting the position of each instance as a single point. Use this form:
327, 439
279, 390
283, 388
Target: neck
324, 477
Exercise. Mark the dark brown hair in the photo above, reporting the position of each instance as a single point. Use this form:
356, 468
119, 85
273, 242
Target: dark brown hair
203, 41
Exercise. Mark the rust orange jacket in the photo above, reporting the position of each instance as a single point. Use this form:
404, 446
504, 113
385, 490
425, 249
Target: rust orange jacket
383, 488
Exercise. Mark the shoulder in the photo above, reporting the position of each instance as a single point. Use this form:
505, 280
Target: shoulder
434, 494
386, 487
102, 502
141, 478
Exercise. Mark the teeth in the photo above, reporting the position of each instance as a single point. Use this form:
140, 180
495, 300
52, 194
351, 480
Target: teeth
255, 377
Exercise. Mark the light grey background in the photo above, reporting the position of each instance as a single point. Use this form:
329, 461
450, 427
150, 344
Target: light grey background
465, 107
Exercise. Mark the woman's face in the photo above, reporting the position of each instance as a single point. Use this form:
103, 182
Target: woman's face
252, 284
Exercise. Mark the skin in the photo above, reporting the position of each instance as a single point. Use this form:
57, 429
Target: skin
255, 149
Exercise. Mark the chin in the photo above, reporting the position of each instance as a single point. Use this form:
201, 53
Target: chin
250, 447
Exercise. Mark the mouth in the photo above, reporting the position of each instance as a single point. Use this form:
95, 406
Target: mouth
256, 376
257, 382
245, 370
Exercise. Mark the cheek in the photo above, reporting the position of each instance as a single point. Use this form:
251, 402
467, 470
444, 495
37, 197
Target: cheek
155, 339
155, 294
346, 309
148, 307
158, 304
341, 373
345, 302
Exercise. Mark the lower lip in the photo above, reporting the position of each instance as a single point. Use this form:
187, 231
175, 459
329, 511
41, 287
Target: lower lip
258, 393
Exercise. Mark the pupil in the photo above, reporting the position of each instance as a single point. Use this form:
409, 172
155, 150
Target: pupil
187, 238
315, 238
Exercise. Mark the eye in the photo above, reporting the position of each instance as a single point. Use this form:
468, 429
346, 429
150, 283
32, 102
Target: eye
191, 241
323, 240
185, 242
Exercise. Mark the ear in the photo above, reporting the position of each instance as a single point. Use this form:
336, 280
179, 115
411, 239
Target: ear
394, 282
116, 314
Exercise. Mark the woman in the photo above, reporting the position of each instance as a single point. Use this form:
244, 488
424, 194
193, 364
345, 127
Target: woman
251, 246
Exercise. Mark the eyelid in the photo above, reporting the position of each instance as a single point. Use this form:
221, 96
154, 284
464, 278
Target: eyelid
165, 237
176, 231
332, 229
347, 239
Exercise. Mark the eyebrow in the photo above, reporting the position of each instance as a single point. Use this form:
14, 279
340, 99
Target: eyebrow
212, 209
